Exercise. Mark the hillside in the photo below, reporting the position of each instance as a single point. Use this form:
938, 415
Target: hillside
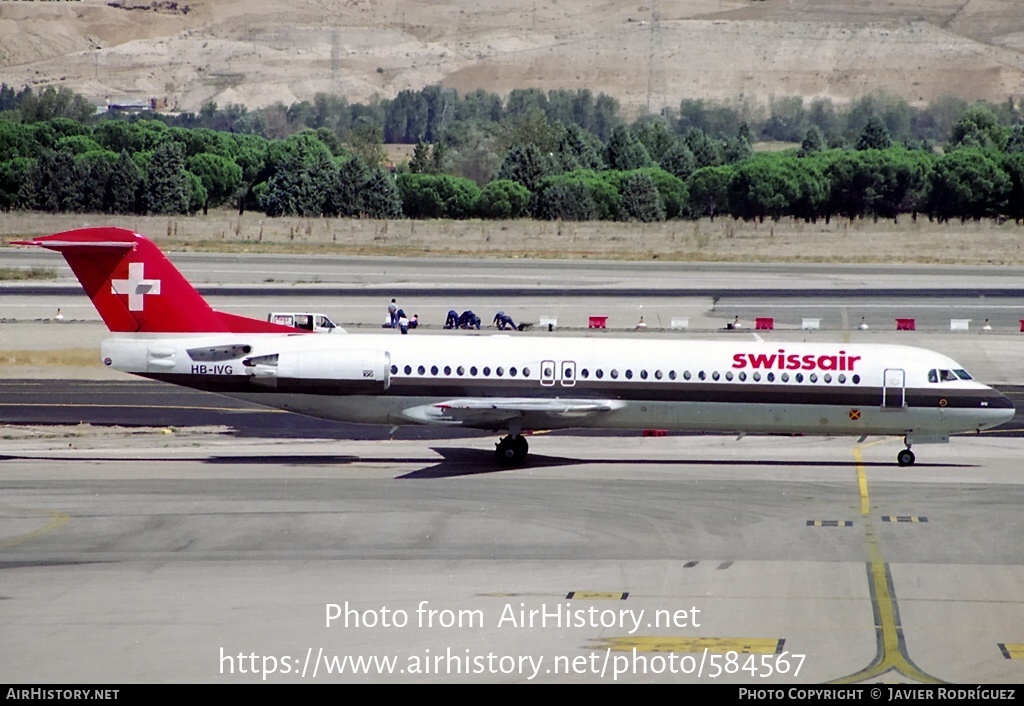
257, 52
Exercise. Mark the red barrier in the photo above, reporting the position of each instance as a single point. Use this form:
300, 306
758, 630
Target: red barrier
655, 432
905, 325
764, 323
597, 322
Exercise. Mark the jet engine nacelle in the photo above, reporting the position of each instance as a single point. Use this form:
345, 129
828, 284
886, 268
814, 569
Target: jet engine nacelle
352, 371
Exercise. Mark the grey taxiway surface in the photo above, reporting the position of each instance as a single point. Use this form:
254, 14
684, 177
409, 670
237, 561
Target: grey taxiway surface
197, 556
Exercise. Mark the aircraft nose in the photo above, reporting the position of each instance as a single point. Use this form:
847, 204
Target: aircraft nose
1001, 409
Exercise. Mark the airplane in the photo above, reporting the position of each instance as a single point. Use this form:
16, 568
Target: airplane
164, 330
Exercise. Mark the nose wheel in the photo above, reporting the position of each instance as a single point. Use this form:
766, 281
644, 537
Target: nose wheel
905, 457
512, 450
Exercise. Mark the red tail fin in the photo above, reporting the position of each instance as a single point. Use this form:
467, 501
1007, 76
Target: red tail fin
136, 289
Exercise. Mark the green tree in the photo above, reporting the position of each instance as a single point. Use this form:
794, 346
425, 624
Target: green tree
13, 173
124, 185
640, 200
814, 142
167, 187
763, 188
979, 127
345, 198
565, 201
219, 176
421, 162
367, 142
707, 152
709, 191
437, 196
503, 198
524, 164
380, 196
654, 134
625, 152
968, 183
300, 185
678, 160
874, 136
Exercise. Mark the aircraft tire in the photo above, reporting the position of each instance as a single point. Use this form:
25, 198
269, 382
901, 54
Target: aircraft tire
905, 457
512, 450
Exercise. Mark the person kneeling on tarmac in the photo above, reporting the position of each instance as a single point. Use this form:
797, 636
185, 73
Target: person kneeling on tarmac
503, 321
469, 320
452, 320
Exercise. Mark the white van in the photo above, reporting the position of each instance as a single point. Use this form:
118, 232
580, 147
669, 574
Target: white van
307, 321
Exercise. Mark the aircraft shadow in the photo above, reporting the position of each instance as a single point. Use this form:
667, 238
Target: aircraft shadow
465, 462
459, 461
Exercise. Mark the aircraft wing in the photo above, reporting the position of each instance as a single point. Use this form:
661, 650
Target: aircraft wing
497, 411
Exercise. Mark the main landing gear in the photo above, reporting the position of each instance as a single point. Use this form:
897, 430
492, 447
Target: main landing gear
905, 457
512, 450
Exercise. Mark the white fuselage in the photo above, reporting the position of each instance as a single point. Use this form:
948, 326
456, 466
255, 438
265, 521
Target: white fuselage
741, 386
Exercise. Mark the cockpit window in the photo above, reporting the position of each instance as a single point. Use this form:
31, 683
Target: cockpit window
948, 375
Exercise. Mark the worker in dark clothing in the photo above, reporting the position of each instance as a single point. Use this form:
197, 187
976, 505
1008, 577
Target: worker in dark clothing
452, 321
468, 319
503, 321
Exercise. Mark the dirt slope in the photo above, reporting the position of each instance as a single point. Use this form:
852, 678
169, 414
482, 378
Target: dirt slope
649, 54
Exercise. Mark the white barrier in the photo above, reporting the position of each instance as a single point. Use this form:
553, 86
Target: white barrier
811, 323
548, 322
680, 323
959, 324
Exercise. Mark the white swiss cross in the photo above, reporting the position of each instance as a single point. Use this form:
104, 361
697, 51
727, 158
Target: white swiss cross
136, 287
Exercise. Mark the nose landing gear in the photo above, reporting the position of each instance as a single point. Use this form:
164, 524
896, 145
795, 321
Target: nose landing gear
905, 457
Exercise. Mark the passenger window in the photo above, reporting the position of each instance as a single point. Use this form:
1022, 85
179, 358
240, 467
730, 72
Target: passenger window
614, 373
512, 372
394, 370
657, 375
599, 374
855, 379
584, 373
643, 374
526, 372
686, 375
499, 371
784, 377
472, 371
447, 370
671, 374
408, 370
770, 377
742, 376
487, 371
827, 377
756, 377
421, 370
460, 370
433, 370
629, 374
799, 377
